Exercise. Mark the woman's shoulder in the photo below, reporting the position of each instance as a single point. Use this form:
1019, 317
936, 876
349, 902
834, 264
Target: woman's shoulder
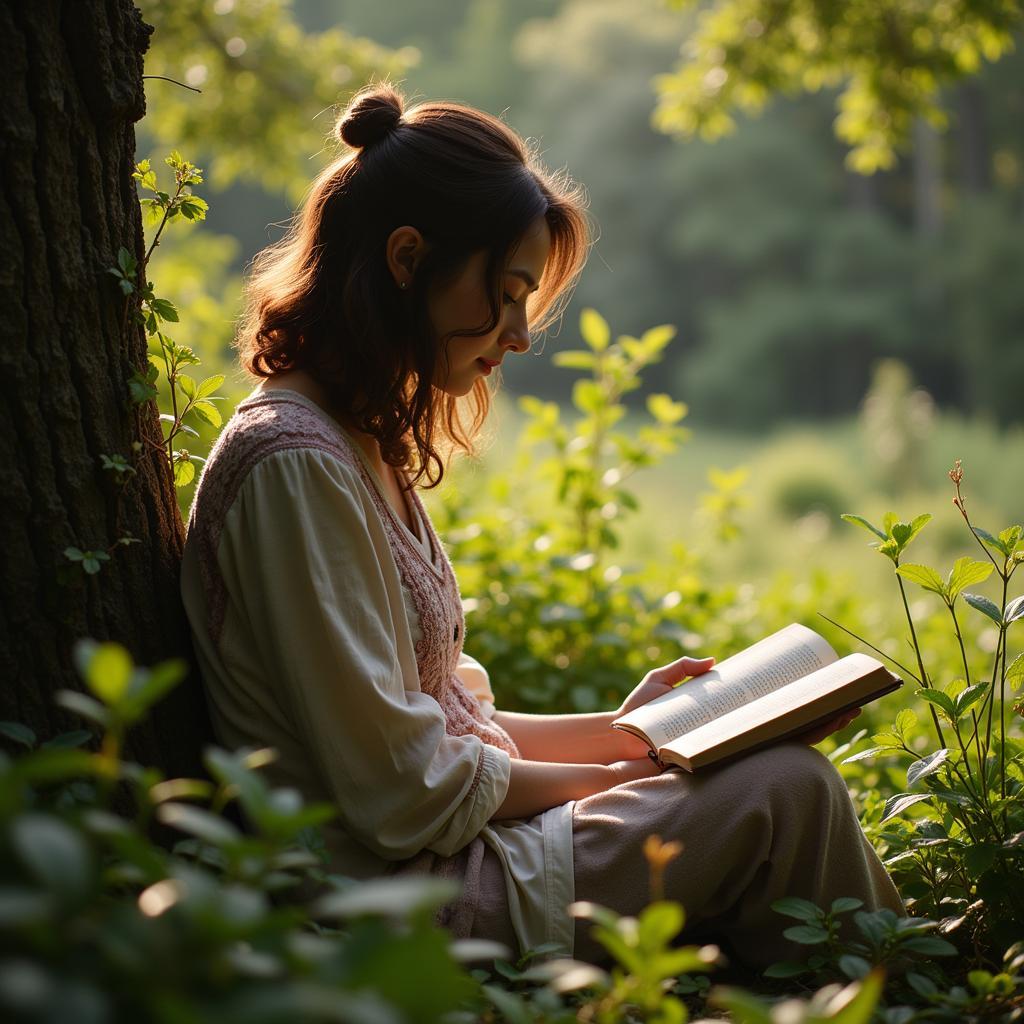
270, 429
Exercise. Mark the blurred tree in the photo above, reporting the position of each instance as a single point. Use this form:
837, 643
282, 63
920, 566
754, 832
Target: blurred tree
72, 83
891, 57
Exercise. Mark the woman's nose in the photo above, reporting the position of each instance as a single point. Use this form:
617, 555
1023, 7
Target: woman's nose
517, 336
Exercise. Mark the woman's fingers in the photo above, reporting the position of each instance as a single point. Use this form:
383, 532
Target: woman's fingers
680, 669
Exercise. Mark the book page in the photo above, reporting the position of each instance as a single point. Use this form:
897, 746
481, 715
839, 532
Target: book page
773, 662
828, 687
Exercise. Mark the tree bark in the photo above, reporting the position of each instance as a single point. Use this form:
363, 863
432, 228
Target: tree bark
71, 78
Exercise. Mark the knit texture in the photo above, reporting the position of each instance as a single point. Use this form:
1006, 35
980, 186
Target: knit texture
275, 421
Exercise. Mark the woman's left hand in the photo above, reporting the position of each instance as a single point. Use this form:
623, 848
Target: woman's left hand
657, 682
660, 680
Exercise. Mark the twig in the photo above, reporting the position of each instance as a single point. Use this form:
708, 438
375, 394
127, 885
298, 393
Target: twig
164, 78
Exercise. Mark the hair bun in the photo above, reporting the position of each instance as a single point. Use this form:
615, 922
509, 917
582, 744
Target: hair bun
372, 114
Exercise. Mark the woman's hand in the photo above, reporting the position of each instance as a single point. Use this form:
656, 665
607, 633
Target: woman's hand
656, 683
837, 723
660, 680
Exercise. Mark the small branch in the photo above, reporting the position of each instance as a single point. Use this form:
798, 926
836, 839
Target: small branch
881, 654
164, 78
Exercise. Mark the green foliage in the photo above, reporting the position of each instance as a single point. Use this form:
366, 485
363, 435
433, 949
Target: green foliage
555, 610
90, 904
960, 854
892, 59
262, 83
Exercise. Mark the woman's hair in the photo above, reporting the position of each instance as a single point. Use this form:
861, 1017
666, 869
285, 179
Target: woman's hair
323, 299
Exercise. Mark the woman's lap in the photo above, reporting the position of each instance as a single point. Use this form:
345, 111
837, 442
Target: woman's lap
778, 822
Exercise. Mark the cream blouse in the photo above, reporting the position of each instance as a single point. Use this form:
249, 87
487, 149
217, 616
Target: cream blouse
315, 657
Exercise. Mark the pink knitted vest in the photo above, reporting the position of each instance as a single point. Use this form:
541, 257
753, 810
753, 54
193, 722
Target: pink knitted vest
275, 421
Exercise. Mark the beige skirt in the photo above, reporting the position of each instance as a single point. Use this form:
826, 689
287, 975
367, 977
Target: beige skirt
779, 822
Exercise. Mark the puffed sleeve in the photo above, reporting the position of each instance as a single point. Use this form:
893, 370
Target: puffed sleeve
306, 559
475, 678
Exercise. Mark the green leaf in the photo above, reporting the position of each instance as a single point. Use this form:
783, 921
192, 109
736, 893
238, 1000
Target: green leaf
126, 261
209, 385
655, 339
859, 1009
56, 765
861, 521
55, 854
664, 410
743, 1007
992, 542
659, 923
82, 704
1010, 537
148, 686
587, 396
397, 896
966, 572
208, 412
970, 696
939, 699
854, 967
1015, 671
184, 470
863, 754
595, 330
786, 969
18, 733
195, 821
92, 561
898, 803
985, 606
931, 945
1014, 610
926, 766
922, 985
193, 208
844, 904
904, 533
906, 719
802, 910
187, 385
807, 934
574, 360
106, 669
164, 309
923, 576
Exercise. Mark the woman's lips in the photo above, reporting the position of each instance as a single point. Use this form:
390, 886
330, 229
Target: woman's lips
486, 365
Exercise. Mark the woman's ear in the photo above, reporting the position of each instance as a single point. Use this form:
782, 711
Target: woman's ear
403, 251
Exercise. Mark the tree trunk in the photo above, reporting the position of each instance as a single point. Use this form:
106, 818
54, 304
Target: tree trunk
973, 138
72, 85
927, 180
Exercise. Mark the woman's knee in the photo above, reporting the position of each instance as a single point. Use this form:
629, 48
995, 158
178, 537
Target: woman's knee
790, 772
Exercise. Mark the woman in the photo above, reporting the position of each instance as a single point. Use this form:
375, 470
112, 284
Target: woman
326, 616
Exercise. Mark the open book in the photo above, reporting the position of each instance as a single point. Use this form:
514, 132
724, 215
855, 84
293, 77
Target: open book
783, 685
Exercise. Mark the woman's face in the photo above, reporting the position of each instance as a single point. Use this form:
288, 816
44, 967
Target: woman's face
463, 305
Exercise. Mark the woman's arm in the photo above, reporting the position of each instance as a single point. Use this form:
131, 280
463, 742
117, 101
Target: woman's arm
590, 739
569, 739
534, 786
